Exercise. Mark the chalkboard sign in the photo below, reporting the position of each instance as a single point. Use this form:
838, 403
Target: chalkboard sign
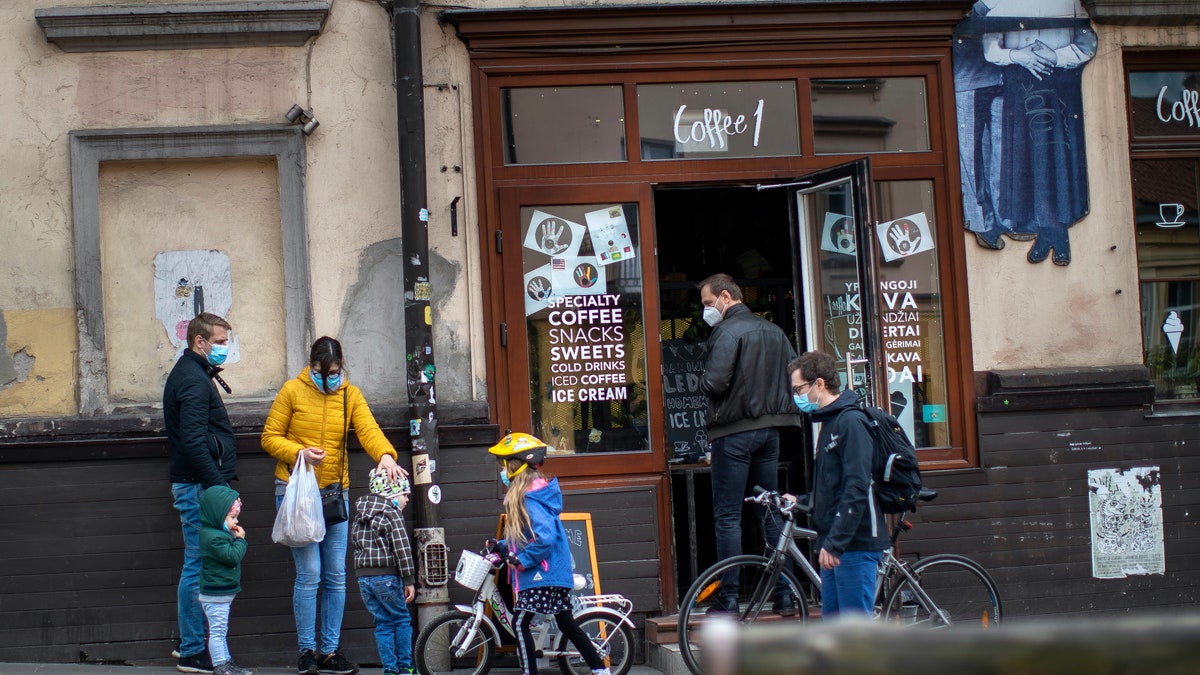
686, 407
583, 549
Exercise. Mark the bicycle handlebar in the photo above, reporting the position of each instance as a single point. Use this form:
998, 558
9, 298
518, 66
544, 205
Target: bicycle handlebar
779, 501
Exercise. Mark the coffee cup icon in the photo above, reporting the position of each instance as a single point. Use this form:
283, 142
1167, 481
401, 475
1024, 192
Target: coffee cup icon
1170, 215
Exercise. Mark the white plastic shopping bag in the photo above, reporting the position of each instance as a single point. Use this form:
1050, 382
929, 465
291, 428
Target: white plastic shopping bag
300, 520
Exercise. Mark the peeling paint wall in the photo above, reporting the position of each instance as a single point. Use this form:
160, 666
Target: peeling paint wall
345, 75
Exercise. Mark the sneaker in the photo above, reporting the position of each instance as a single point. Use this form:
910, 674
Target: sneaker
784, 605
307, 665
175, 650
723, 605
231, 668
336, 663
601, 671
199, 662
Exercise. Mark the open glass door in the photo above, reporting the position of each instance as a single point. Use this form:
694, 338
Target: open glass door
832, 213
871, 292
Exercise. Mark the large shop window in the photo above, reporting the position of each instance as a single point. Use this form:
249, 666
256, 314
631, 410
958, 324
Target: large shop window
563, 125
1166, 193
870, 115
713, 120
586, 327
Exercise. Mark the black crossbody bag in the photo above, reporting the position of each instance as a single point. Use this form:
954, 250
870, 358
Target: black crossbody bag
333, 498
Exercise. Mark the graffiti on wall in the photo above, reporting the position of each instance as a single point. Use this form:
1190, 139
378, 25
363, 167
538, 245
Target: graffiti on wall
1017, 80
187, 283
1127, 524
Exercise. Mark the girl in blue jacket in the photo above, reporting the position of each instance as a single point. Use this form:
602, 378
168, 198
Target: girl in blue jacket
536, 548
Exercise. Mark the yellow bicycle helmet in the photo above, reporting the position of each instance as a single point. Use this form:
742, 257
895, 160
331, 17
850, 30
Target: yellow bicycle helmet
522, 446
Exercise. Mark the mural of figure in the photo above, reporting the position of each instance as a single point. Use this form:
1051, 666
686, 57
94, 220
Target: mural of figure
1030, 144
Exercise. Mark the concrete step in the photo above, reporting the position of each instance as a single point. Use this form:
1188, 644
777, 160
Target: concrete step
665, 658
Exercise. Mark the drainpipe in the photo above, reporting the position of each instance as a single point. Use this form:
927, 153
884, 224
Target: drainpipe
429, 537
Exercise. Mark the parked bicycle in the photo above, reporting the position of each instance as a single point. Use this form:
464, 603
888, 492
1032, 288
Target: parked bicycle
465, 639
934, 592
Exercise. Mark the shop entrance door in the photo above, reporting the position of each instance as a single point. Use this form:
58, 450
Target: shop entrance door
792, 249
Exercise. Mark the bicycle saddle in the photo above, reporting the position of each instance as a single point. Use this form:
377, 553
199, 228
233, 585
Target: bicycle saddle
927, 495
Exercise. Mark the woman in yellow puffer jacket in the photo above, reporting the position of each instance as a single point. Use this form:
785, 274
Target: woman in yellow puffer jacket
309, 416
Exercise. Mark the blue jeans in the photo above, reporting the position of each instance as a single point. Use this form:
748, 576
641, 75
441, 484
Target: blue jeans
739, 462
384, 598
322, 564
191, 615
849, 588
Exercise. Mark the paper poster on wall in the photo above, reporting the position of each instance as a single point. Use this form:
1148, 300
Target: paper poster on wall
905, 236
837, 235
187, 283
610, 234
577, 275
553, 235
539, 288
1127, 522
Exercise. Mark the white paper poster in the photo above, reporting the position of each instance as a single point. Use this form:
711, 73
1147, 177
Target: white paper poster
610, 235
578, 275
553, 235
837, 235
539, 287
1127, 523
187, 283
905, 236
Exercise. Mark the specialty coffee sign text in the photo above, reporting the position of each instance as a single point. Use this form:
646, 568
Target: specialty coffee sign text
587, 348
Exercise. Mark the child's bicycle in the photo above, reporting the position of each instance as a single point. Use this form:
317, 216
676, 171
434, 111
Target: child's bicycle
935, 592
465, 639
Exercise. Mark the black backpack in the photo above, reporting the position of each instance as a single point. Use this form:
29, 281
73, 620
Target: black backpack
896, 472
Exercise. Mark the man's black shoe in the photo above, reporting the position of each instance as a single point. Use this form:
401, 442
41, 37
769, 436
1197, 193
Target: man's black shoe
723, 605
336, 663
784, 605
307, 664
200, 662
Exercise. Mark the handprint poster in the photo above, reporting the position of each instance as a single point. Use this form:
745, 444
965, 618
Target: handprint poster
552, 235
539, 288
905, 236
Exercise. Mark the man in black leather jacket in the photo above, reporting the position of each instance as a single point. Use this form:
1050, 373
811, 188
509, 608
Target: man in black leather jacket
749, 398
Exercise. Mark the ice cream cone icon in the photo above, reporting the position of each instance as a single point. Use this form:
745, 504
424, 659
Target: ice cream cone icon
1173, 329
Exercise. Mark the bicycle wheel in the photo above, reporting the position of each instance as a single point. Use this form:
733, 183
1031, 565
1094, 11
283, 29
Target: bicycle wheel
756, 598
610, 637
960, 593
434, 654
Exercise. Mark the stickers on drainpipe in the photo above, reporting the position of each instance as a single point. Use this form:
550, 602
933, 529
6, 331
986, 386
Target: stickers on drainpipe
435, 494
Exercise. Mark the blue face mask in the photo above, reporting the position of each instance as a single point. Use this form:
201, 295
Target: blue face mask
805, 405
504, 477
225, 526
329, 385
218, 354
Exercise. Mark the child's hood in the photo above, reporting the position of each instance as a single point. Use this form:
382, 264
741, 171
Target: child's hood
215, 504
369, 506
548, 495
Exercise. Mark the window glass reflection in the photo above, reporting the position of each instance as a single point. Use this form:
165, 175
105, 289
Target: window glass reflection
562, 125
870, 115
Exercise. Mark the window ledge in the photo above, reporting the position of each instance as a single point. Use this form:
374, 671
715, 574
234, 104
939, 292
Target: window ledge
1144, 12
194, 25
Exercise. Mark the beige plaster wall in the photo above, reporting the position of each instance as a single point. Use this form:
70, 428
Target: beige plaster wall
228, 205
1086, 313
344, 74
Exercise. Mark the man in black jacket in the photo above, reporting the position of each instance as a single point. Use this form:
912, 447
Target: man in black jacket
850, 527
745, 380
203, 454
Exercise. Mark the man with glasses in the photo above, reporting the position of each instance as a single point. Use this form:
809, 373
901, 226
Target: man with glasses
849, 523
745, 380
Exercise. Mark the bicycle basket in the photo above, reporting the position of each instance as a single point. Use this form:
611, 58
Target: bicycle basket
472, 570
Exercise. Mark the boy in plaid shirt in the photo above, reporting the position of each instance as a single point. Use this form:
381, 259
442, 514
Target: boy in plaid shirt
383, 562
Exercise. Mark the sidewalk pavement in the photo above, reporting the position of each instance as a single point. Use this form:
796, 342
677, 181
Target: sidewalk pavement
94, 669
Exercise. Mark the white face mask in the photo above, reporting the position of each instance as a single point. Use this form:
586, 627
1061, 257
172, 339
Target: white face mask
712, 316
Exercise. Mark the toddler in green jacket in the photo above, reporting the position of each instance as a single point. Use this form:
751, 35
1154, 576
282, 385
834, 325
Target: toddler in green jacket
222, 547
